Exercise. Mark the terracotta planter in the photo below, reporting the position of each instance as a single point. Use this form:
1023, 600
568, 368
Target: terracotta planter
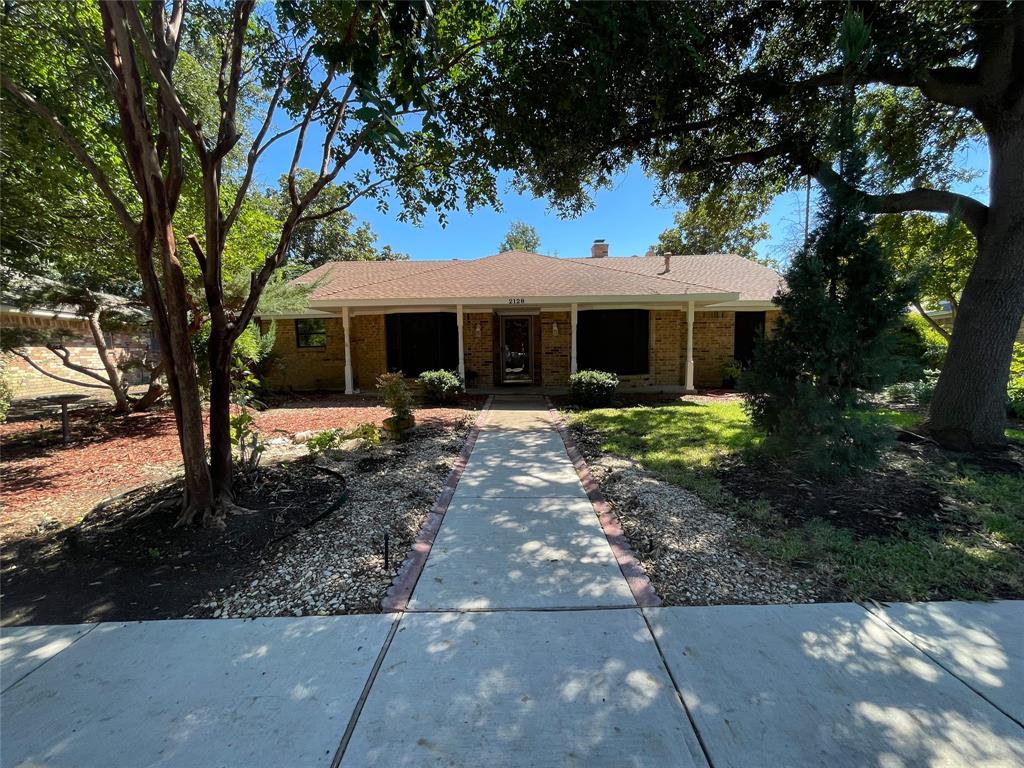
399, 429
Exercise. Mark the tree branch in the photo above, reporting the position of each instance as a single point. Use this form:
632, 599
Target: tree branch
24, 356
932, 321
57, 127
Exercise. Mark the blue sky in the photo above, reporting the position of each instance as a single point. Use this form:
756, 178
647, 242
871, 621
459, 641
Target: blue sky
626, 216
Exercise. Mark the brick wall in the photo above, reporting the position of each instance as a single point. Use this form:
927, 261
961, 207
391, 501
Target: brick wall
296, 367
28, 382
666, 325
479, 348
771, 317
713, 337
369, 350
555, 350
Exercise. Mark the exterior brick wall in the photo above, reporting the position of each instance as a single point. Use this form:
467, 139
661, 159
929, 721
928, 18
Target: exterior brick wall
369, 350
771, 317
304, 368
479, 348
666, 325
555, 350
28, 382
713, 338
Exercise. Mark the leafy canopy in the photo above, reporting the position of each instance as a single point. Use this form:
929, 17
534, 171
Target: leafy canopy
520, 237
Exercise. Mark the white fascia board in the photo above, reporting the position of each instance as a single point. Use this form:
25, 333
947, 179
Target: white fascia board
527, 301
309, 314
745, 305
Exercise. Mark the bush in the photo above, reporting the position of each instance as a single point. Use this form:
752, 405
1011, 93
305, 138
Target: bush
395, 392
6, 390
930, 344
331, 439
441, 387
593, 389
1015, 386
917, 392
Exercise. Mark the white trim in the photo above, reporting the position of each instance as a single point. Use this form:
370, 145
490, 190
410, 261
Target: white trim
574, 311
689, 346
745, 305
49, 315
349, 385
462, 353
525, 301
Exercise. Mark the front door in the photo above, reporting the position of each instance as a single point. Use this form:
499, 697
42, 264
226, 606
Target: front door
517, 350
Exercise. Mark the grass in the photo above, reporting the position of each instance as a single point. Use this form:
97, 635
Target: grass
978, 556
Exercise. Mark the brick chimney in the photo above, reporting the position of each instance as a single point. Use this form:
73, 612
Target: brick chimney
599, 249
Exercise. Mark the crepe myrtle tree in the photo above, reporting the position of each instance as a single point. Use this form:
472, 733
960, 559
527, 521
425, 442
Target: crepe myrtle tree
726, 93
345, 85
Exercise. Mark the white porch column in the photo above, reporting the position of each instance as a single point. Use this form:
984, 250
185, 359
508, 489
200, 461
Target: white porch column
462, 352
689, 346
349, 388
572, 347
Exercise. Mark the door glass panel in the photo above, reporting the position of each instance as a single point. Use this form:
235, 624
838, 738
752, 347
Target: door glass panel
515, 349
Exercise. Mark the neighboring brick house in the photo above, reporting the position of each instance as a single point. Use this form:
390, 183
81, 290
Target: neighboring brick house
521, 318
28, 382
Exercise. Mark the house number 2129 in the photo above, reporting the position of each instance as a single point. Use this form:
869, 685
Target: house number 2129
517, 301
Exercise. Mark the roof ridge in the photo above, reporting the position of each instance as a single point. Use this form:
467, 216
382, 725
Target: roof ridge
585, 262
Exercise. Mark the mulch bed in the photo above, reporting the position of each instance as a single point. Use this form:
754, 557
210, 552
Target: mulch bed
120, 563
48, 485
874, 503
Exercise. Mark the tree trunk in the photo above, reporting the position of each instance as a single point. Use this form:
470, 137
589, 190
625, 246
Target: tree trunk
968, 409
116, 380
220, 416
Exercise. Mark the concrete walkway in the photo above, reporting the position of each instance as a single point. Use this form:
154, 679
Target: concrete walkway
523, 646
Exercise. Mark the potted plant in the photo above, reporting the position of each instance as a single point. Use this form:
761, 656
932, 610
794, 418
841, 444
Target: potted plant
396, 396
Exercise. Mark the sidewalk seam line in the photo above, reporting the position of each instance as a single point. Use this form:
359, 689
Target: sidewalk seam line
908, 638
679, 694
353, 719
45, 661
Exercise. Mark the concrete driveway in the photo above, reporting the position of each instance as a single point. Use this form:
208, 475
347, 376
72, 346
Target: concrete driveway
523, 646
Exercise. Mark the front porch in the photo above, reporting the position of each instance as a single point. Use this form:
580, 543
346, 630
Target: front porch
655, 346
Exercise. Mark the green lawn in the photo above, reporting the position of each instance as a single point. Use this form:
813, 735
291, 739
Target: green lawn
979, 554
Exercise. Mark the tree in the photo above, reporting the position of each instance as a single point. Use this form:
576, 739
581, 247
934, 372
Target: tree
359, 75
839, 305
520, 237
330, 238
938, 256
741, 93
723, 222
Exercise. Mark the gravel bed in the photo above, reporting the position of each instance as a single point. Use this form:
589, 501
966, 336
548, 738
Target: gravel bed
691, 553
336, 565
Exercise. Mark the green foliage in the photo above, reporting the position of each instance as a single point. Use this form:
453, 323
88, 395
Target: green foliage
520, 237
441, 387
395, 392
723, 221
246, 442
331, 439
1015, 386
916, 392
593, 389
7, 388
333, 237
931, 345
839, 307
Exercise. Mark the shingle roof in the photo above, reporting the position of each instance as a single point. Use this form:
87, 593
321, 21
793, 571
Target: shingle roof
529, 274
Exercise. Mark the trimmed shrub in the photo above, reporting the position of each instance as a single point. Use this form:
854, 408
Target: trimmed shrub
395, 392
441, 387
593, 389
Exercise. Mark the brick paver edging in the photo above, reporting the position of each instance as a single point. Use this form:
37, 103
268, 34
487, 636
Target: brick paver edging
398, 594
632, 570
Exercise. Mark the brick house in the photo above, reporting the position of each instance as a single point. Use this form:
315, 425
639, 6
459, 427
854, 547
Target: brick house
27, 382
519, 318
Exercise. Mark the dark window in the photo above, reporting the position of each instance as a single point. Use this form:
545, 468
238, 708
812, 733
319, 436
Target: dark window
749, 328
422, 341
613, 340
310, 333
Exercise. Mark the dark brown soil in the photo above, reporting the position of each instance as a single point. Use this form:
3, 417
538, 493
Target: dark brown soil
124, 562
874, 503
